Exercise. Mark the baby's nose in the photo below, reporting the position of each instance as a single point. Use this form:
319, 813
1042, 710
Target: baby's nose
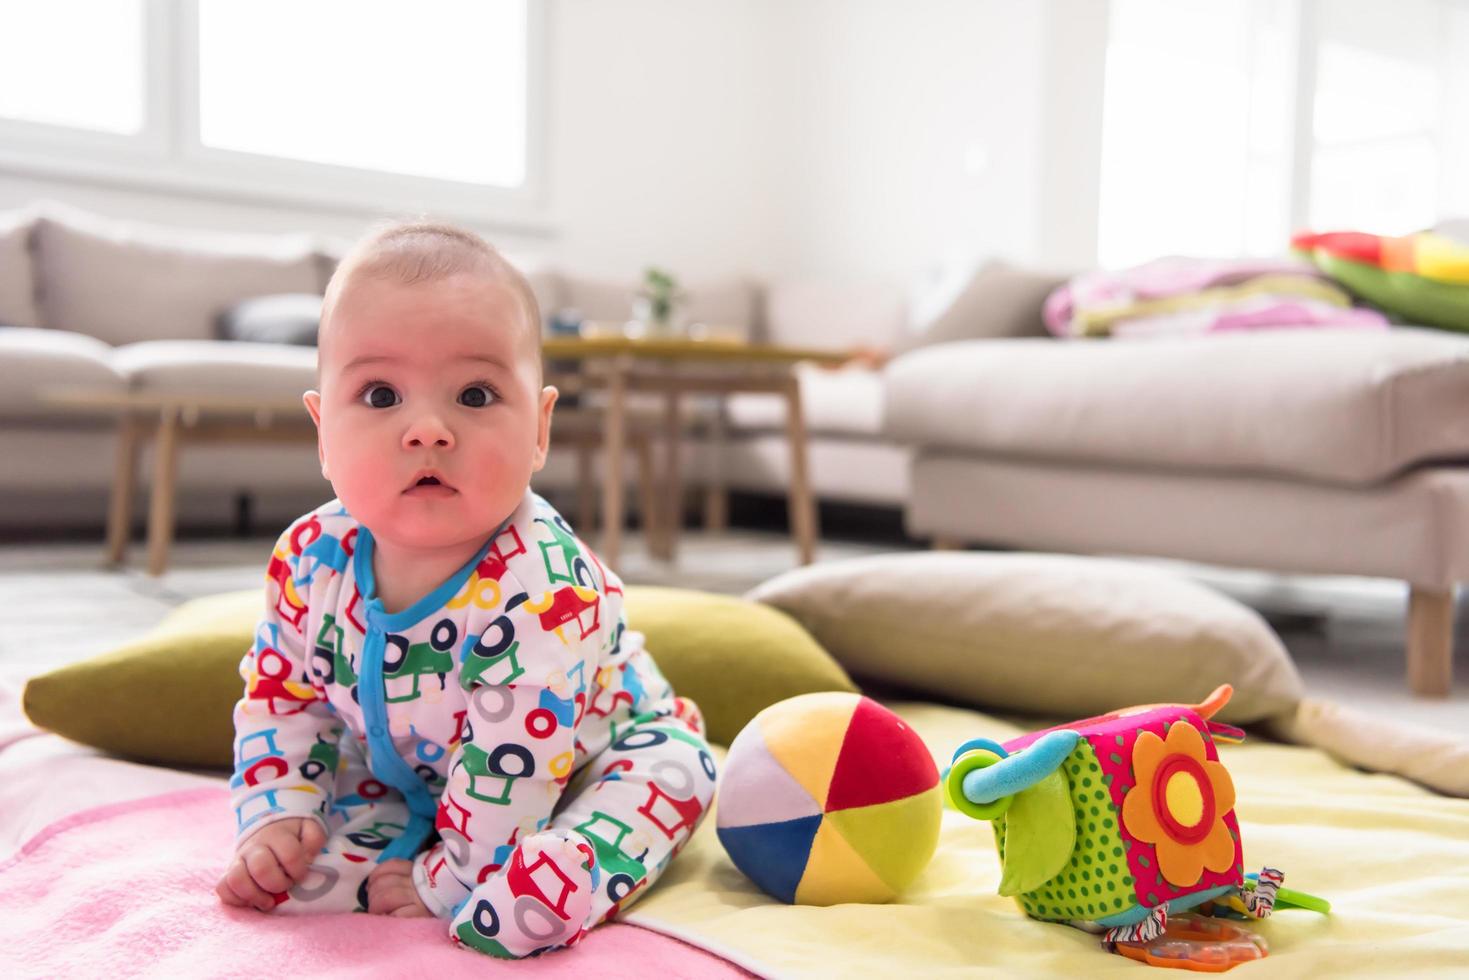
428, 430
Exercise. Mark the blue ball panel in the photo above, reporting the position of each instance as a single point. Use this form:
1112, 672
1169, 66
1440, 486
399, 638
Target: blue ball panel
773, 855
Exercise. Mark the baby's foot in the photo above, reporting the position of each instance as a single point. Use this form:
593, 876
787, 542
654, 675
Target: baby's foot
540, 899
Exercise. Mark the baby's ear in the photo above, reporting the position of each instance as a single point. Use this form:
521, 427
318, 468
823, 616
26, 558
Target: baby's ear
312, 400
549, 394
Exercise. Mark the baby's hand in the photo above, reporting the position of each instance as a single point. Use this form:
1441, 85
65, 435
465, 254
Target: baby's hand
270, 861
390, 891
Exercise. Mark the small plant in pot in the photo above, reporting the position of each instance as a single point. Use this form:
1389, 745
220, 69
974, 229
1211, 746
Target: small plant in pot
656, 306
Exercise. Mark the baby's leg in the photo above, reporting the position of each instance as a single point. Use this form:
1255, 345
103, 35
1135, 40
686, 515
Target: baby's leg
366, 817
632, 806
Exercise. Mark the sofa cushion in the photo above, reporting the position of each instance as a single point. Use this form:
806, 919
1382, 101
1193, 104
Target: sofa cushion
217, 367
1050, 634
289, 318
835, 402
1347, 406
125, 283
833, 315
17, 277
995, 300
33, 360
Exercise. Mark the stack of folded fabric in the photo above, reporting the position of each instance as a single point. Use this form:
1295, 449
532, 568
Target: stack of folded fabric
1422, 278
1179, 296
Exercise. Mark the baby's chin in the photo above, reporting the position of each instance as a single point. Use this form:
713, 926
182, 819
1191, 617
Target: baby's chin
430, 526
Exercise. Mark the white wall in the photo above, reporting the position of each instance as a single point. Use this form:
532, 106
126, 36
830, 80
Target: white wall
909, 132
659, 135
852, 139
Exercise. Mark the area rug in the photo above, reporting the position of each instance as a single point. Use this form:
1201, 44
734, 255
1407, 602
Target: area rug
127, 890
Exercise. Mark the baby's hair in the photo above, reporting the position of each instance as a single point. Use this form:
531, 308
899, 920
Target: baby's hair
426, 251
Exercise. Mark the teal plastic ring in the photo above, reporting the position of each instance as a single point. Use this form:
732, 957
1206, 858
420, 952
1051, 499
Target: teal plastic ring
966, 763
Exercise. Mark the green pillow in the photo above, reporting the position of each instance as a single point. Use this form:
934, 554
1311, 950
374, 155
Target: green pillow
1415, 298
733, 657
169, 697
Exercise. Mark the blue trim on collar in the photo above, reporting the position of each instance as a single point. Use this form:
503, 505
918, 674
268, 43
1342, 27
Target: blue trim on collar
437, 599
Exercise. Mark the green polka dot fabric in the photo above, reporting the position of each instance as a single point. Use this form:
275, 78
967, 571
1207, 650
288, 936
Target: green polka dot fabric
1096, 882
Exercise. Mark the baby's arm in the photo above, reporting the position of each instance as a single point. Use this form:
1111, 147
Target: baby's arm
285, 749
517, 746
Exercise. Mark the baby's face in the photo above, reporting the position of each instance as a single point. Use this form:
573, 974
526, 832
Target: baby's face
439, 380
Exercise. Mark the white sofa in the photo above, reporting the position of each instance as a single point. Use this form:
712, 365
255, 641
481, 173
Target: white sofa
86, 302
1299, 451
1311, 451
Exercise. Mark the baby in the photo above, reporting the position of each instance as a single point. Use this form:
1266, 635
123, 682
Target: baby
444, 712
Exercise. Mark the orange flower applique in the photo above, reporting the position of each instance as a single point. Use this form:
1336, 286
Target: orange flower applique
1179, 803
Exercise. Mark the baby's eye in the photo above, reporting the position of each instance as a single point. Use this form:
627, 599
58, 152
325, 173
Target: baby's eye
476, 396
380, 396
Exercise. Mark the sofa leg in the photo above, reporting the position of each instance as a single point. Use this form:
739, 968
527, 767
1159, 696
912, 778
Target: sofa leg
1430, 641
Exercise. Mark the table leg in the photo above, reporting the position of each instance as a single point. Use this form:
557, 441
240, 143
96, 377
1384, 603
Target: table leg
160, 511
614, 431
647, 488
671, 520
716, 494
802, 504
124, 480
586, 493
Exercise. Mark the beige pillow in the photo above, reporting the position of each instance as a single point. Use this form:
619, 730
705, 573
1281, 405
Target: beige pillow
17, 283
123, 282
1379, 743
998, 300
1057, 635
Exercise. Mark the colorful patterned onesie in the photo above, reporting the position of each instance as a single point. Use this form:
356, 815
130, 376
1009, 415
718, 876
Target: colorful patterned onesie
507, 732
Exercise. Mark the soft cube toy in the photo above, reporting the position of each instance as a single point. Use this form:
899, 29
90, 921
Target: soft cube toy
1115, 822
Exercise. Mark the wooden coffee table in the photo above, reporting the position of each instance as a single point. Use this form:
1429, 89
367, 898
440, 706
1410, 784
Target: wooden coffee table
617, 365
172, 420
620, 365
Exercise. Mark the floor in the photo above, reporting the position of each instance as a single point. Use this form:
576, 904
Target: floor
1345, 634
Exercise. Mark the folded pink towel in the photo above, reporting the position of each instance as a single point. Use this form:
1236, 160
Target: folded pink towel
128, 889
1172, 275
1180, 296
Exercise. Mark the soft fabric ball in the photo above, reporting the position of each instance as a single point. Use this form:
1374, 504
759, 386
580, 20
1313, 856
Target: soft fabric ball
829, 798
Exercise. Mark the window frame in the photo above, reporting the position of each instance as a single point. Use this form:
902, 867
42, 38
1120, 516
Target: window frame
167, 153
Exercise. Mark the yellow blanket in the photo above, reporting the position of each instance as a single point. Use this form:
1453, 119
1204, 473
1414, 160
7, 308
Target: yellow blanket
1392, 858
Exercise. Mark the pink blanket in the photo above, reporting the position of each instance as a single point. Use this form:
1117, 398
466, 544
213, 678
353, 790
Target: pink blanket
128, 889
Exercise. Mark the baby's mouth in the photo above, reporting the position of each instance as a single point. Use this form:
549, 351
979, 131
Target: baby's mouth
430, 484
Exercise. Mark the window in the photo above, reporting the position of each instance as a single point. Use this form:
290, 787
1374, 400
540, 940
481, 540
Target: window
1195, 147
1378, 115
433, 90
1227, 126
366, 104
55, 74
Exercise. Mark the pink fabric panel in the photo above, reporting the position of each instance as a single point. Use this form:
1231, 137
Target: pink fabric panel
129, 888
1151, 884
